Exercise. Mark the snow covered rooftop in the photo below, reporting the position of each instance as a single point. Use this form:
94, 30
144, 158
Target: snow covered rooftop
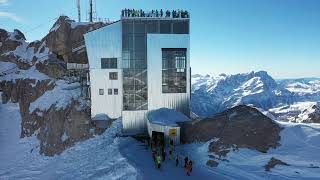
101, 117
166, 117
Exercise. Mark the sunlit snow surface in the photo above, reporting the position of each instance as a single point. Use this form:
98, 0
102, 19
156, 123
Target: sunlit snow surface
110, 156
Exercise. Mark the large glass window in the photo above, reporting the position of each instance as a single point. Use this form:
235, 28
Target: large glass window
109, 63
134, 66
174, 70
152, 27
181, 27
165, 27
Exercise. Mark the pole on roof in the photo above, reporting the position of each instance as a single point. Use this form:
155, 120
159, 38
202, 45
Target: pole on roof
78, 6
90, 11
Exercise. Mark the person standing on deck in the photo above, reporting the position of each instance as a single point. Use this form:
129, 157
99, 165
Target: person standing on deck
177, 160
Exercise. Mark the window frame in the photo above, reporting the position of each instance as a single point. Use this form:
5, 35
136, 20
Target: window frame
109, 91
112, 77
115, 91
174, 76
109, 63
101, 91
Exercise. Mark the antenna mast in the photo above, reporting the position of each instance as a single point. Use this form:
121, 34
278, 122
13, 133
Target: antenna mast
90, 11
78, 6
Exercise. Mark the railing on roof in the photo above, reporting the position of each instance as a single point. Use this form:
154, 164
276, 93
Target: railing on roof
132, 13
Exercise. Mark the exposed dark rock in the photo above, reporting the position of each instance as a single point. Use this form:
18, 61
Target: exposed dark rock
273, 162
25, 91
52, 70
238, 127
212, 163
62, 128
315, 116
56, 129
10, 44
63, 39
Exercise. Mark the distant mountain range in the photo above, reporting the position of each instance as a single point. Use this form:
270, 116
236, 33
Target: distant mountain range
211, 95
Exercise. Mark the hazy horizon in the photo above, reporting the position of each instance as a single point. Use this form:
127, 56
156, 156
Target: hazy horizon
231, 36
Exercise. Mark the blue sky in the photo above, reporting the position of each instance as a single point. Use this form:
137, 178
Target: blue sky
227, 36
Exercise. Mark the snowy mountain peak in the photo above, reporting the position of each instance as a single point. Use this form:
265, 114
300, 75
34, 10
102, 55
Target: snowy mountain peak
215, 94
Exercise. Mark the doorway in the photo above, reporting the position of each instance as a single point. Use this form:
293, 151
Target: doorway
158, 138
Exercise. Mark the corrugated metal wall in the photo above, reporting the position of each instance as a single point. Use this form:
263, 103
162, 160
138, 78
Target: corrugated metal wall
134, 122
105, 43
157, 99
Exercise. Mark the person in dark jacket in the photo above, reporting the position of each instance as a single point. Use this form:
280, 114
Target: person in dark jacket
186, 159
188, 168
177, 160
164, 154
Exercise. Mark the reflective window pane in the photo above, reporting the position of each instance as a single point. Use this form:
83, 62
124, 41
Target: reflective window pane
181, 27
165, 27
109, 63
174, 70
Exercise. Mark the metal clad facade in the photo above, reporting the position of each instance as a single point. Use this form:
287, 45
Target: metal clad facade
157, 99
137, 44
105, 43
134, 122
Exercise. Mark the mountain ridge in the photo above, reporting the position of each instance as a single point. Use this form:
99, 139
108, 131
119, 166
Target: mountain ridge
213, 94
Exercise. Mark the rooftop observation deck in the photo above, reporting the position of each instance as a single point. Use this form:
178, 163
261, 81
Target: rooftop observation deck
155, 14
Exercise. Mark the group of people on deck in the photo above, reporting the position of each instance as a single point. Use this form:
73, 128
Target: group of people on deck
159, 155
155, 13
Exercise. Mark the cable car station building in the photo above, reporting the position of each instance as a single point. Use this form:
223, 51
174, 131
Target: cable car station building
139, 64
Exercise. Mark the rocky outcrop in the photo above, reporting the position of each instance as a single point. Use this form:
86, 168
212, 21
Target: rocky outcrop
302, 112
314, 117
56, 128
9, 41
62, 128
25, 91
238, 127
52, 70
273, 162
66, 34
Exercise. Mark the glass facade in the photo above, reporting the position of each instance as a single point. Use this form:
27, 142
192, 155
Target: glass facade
134, 58
134, 52
174, 75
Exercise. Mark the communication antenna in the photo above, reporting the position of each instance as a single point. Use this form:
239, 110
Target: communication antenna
90, 11
78, 6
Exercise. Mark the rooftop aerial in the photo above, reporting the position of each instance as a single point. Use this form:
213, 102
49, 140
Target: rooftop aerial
134, 13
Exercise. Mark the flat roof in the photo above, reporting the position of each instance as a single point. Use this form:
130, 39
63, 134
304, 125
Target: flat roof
154, 18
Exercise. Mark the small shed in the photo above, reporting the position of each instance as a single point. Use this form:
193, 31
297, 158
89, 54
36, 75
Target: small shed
102, 121
164, 121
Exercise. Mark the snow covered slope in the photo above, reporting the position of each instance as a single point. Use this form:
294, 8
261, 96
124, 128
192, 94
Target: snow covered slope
97, 158
112, 157
211, 95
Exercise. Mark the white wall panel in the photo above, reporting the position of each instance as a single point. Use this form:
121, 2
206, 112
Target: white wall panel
105, 42
110, 105
157, 99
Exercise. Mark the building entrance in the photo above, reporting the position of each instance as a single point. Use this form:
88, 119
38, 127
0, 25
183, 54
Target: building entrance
158, 138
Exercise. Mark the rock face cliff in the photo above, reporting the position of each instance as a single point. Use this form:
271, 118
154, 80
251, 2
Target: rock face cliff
66, 34
239, 127
32, 74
